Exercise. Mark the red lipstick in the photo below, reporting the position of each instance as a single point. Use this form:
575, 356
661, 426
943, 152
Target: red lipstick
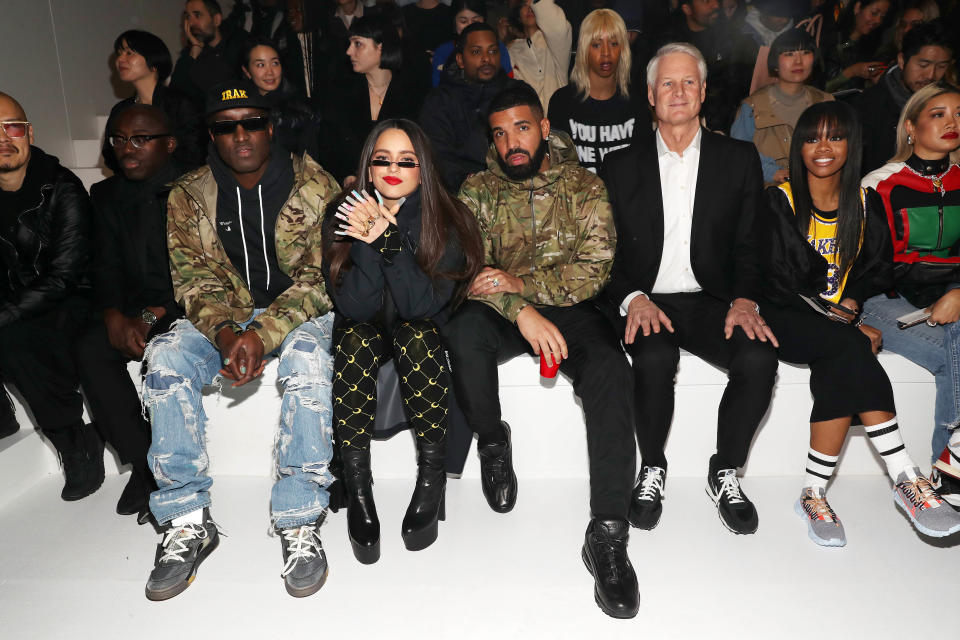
950, 135
392, 180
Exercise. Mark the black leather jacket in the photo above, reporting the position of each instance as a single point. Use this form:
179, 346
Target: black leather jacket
46, 261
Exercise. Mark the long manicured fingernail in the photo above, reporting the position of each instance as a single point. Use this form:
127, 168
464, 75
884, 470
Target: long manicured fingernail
366, 195
379, 197
226, 361
357, 195
342, 217
340, 233
243, 369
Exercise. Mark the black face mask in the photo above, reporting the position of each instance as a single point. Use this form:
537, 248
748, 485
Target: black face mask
524, 171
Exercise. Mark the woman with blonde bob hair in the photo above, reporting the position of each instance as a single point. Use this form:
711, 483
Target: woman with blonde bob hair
597, 108
920, 190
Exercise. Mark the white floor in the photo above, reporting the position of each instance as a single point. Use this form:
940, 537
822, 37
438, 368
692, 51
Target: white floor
77, 570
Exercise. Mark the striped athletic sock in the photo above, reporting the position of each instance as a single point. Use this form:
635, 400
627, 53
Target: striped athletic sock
885, 438
820, 468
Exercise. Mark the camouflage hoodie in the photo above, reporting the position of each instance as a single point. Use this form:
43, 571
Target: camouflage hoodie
554, 231
210, 288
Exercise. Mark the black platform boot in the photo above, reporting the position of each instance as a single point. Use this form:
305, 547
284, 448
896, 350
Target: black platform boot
81, 452
363, 524
419, 529
8, 417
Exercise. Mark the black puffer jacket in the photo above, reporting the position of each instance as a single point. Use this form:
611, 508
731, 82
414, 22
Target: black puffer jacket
46, 261
454, 117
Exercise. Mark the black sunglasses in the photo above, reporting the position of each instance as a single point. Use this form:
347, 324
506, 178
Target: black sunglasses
403, 164
225, 127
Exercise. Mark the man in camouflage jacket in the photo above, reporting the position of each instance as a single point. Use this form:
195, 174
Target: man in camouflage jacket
243, 234
549, 235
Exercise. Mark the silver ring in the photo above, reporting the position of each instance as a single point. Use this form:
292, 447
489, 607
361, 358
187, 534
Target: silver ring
931, 323
496, 282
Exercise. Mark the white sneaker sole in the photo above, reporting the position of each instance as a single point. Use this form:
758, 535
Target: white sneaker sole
823, 542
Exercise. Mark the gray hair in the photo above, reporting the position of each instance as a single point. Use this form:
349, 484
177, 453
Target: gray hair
676, 47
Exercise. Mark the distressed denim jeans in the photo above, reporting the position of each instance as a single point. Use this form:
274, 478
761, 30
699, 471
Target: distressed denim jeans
936, 349
181, 362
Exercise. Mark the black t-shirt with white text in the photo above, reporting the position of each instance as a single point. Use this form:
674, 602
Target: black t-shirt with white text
598, 126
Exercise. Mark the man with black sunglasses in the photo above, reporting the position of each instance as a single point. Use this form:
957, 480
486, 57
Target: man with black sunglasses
44, 247
244, 244
133, 293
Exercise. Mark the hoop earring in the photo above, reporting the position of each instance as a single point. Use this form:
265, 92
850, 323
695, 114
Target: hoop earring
909, 139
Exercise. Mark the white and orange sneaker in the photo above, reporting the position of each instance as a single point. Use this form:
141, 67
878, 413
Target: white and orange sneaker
928, 512
823, 525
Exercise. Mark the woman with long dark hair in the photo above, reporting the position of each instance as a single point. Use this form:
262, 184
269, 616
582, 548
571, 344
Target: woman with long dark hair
403, 252
850, 53
295, 125
143, 61
828, 252
919, 190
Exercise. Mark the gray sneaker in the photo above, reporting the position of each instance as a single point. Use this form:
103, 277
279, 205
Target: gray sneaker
305, 564
179, 554
928, 512
823, 525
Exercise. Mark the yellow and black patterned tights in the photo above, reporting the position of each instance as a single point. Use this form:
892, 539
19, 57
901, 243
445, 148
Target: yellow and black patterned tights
421, 368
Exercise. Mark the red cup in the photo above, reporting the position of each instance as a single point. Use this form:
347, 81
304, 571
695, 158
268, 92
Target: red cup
548, 370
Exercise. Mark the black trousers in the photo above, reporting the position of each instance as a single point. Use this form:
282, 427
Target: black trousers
845, 376
479, 339
698, 321
36, 356
113, 398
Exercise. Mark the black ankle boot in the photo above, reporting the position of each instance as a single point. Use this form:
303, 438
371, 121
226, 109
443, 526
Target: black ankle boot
497, 478
363, 524
8, 418
81, 452
136, 495
419, 529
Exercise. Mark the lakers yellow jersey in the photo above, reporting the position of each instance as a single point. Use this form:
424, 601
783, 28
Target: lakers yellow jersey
822, 236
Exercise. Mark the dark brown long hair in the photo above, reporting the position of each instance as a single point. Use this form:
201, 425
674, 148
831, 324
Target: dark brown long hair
441, 213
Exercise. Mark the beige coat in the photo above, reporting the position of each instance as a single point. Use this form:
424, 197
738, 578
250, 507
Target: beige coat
543, 62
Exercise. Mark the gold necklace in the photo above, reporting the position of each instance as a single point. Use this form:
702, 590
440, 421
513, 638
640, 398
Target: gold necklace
379, 96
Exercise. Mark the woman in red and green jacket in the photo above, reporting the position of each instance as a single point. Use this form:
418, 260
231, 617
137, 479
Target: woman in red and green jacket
920, 191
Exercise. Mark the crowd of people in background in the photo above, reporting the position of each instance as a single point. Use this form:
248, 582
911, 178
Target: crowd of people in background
344, 184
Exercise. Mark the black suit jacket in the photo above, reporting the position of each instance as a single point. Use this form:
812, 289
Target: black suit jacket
727, 203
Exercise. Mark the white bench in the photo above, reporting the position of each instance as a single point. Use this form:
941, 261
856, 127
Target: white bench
548, 432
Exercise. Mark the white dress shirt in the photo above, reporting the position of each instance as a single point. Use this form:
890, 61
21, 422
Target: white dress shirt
678, 185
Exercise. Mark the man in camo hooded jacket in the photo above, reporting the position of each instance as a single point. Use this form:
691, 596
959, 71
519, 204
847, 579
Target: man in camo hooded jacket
549, 235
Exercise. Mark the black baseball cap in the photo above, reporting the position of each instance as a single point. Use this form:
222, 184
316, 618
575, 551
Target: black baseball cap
235, 94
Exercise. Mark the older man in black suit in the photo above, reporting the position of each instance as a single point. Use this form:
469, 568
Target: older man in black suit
686, 275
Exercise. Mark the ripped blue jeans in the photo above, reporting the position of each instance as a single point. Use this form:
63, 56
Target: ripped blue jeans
181, 362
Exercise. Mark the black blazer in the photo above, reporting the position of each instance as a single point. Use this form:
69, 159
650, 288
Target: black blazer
728, 201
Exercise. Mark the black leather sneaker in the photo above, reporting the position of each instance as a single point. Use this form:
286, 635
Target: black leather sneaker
497, 478
646, 502
736, 511
605, 554
179, 554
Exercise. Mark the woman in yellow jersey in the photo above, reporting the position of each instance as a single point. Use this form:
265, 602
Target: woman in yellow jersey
829, 250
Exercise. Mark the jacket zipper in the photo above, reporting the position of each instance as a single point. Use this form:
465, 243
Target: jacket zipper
533, 225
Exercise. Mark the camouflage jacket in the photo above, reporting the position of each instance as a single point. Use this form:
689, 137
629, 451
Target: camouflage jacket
210, 288
554, 231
